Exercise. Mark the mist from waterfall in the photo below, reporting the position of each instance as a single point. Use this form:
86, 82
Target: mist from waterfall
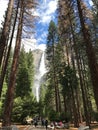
38, 76
42, 68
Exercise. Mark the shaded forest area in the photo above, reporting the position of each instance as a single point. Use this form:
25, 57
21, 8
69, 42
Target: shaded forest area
70, 89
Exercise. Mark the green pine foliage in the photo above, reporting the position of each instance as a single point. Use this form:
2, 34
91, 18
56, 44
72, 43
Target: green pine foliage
68, 91
24, 103
68, 71
25, 74
24, 82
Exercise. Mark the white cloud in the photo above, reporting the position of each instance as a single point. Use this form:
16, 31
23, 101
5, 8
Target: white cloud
29, 44
42, 47
32, 44
46, 19
46, 11
90, 2
52, 6
40, 40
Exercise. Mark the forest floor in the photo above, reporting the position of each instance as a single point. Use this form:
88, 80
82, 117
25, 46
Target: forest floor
31, 127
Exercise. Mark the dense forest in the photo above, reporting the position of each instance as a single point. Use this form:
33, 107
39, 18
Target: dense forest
70, 87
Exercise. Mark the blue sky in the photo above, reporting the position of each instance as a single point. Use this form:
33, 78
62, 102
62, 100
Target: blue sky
46, 12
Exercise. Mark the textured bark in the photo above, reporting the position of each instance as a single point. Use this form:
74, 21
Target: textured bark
79, 117
65, 107
11, 85
82, 90
55, 82
76, 123
60, 108
5, 31
90, 54
80, 75
81, 81
88, 89
4, 67
81, 84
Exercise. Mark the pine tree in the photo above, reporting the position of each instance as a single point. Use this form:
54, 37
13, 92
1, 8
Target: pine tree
51, 48
11, 85
6, 28
71, 39
7, 52
90, 52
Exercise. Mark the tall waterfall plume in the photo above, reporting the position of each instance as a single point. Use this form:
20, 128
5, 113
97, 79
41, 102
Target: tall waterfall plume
39, 73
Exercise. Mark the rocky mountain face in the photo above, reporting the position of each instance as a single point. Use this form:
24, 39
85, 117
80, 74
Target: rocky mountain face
37, 54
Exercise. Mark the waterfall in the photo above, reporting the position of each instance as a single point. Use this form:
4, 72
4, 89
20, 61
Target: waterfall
38, 76
42, 68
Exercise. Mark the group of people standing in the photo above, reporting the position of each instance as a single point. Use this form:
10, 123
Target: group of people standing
44, 123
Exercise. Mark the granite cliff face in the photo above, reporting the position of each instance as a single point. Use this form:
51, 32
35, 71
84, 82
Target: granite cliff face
37, 54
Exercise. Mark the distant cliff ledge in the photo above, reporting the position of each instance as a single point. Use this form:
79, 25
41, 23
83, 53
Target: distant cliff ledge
37, 54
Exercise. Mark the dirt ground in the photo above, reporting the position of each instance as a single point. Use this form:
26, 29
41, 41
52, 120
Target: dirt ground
26, 127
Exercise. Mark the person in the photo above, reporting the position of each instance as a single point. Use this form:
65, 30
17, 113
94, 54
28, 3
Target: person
46, 123
43, 122
35, 123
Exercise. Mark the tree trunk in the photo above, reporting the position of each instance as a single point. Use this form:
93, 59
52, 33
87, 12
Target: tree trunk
5, 32
90, 54
80, 75
65, 107
11, 85
8, 54
89, 104
55, 80
76, 123
76, 90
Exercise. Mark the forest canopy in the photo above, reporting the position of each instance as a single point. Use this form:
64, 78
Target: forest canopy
69, 89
